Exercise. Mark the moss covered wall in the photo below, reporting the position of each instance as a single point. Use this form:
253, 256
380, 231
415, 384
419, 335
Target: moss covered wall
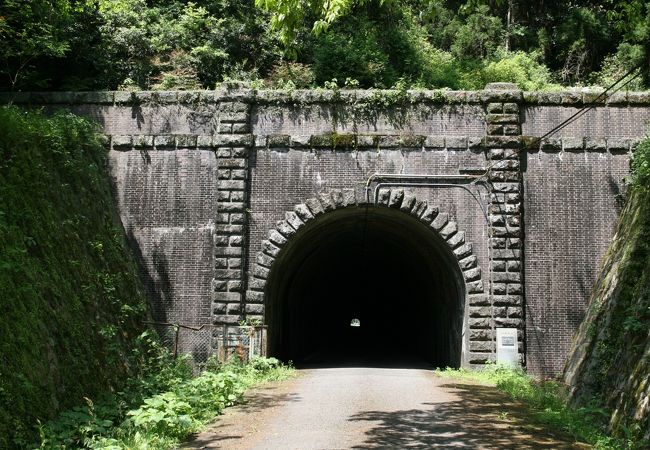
610, 357
70, 300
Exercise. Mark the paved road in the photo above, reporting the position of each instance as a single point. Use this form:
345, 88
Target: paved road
376, 408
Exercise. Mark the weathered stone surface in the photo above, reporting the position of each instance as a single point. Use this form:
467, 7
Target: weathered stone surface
479, 300
408, 202
396, 197
472, 274
303, 212
468, 262
314, 206
285, 228
474, 287
270, 249
456, 240
254, 297
449, 229
463, 251
383, 197
429, 214
276, 238
293, 220
440, 221
264, 259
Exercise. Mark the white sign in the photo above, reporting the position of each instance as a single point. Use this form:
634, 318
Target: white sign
507, 347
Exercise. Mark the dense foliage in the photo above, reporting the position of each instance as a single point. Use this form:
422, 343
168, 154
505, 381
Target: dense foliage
71, 303
178, 44
159, 409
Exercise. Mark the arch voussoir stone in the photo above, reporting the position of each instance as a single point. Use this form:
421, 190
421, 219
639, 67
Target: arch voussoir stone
456, 240
311, 209
396, 197
326, 201
277, 238
265, 260
449, 230
292, 219
419, 208
440, 221
314, 206
337, 197
270, 249
303, 212
468, 262
429, 215
406, 201
285, 228
383, 197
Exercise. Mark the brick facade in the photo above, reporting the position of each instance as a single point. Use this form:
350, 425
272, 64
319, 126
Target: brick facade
208, 182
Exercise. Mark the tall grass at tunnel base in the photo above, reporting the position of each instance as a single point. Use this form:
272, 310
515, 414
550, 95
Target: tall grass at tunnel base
549, 404
160, 411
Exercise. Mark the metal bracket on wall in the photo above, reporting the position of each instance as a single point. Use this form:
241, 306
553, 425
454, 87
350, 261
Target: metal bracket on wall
469, 183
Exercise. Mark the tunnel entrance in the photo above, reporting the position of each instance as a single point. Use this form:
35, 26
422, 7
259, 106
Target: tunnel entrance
367, 285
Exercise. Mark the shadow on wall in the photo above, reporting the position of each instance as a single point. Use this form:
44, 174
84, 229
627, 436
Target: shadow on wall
481, 418
155, 278
617, 193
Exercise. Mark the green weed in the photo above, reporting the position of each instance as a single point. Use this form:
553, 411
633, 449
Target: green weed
159, 411
549, 403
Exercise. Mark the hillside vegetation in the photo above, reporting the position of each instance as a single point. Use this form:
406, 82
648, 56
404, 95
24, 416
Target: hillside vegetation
458, 44
72, 306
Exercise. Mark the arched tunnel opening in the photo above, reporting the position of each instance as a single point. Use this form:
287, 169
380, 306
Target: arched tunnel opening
367, 285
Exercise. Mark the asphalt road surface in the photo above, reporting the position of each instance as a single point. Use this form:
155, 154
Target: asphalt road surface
358, 407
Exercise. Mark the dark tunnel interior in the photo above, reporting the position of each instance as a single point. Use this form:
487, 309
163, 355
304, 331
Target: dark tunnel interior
380, 266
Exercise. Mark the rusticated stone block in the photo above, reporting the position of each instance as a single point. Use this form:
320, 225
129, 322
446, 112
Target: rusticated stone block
480, 322
472, 274
314, 206
479, 300
468, 262
440, 221
449, 229
481, 335
456, 240
396, 197
481, 346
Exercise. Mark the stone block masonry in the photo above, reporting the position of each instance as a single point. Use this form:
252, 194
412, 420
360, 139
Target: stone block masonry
232, 147
207, 185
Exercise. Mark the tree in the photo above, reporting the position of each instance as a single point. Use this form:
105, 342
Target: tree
289, 15
29, 30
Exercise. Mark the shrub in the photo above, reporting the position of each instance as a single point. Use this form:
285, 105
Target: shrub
618, 64
641, 164
521, 68
291, 75
382, 51
160, 409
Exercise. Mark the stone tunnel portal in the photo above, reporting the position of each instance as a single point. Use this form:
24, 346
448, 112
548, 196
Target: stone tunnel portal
376, 266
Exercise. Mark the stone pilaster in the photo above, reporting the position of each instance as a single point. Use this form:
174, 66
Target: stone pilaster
232, 145
503, 145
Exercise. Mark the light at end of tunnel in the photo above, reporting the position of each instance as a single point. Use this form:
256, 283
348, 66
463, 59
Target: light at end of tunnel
355, 323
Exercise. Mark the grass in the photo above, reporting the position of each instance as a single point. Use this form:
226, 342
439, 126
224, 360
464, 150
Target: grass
549, 404
159, 420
